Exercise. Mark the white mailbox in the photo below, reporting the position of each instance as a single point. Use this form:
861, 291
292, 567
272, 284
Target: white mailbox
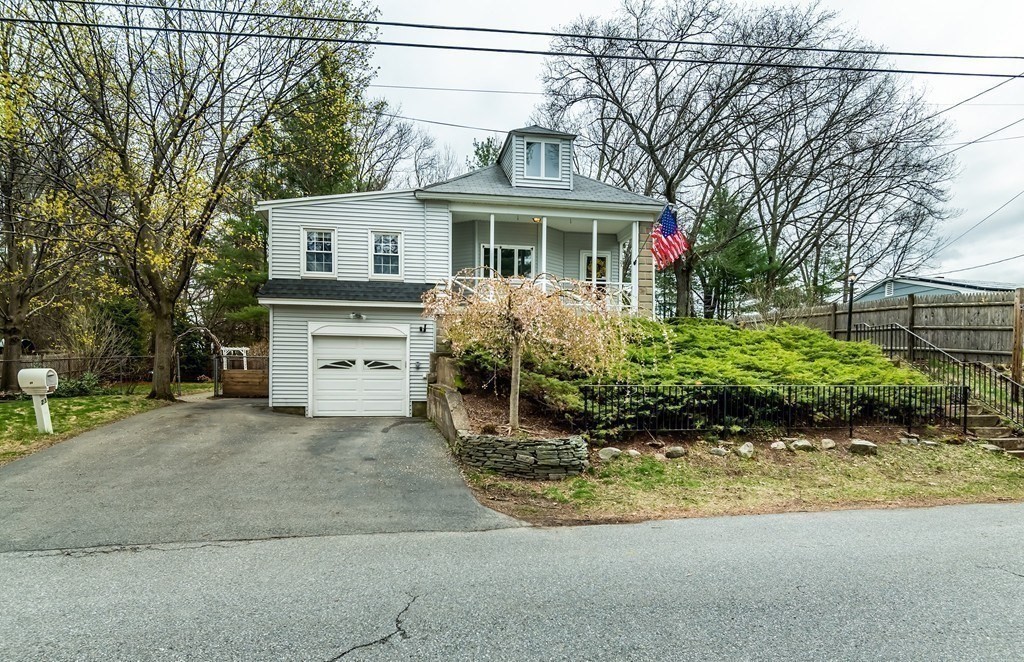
39, 383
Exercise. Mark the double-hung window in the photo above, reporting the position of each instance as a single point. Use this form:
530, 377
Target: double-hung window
543, 160
386, 254
318, 259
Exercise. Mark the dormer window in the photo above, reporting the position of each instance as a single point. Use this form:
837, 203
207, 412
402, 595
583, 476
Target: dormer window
543, 159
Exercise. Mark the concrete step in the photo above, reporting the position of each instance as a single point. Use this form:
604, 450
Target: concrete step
982, 420
1017, 454
1006, 443
993, 432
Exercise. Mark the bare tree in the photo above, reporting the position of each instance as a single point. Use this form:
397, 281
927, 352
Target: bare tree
808, 142
40, 247
175, 104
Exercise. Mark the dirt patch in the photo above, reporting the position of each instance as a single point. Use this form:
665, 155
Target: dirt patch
488, 414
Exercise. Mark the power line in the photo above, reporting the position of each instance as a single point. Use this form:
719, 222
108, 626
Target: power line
971, 229
458, 89
982, 138
977, 266
501, 51
539, 33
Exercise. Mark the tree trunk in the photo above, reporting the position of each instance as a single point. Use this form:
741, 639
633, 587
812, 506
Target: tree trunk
513, 396
11, 359
163, 353
684, 286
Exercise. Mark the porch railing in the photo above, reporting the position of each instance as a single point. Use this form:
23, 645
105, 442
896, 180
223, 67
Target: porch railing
616, 296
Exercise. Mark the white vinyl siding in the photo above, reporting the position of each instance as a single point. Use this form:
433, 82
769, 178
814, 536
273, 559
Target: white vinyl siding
508, 164
289, 336
463, 240
556, 252
425, 228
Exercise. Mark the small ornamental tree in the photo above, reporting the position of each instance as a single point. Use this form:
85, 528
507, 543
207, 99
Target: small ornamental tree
565, 321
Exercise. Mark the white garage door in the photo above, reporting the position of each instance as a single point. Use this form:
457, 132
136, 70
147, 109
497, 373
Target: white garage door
359, 376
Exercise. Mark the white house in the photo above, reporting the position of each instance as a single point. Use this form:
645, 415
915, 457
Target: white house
347, 272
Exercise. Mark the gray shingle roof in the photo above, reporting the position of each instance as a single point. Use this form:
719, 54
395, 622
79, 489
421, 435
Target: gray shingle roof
493, 181
536, 130
976, 284
343, 290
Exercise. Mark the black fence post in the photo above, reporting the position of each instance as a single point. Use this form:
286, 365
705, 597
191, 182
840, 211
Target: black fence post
965, 395
849, 410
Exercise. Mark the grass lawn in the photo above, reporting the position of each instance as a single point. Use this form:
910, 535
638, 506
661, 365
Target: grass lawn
701, 485
71, 416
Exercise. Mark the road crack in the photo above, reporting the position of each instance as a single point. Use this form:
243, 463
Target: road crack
995, 567
399, 630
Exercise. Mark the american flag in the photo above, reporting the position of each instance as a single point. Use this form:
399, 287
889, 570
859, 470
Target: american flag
667, 241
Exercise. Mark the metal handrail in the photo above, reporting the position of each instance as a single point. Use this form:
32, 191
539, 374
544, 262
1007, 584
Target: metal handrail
1006, 398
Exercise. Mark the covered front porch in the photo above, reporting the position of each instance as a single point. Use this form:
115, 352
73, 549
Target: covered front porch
599, 251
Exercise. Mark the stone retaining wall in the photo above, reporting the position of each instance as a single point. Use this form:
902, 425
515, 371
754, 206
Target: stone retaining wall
535, 459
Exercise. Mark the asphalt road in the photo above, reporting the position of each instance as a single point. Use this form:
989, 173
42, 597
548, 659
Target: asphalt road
930, 584
232, 470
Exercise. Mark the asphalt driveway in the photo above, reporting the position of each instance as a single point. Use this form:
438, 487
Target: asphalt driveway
232, 470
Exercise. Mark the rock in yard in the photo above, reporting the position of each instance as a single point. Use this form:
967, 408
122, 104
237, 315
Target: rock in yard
746, 451
778, 446
930, 444
802, 445
910, 441
675, 451
719, 451
654, 443
633, 453
863, 447
827, 444
659, 457
609, 453
992, 448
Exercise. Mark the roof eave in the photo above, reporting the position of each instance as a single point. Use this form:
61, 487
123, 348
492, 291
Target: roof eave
549, 202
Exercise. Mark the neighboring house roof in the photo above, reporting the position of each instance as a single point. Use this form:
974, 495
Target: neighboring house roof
343, 290
492, 181
959, 285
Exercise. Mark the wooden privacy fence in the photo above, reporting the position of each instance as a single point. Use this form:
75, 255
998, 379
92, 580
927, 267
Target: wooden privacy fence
253, 381
973, 327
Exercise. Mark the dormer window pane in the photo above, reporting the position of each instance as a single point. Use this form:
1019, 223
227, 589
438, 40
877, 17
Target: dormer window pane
551, 161
533, 159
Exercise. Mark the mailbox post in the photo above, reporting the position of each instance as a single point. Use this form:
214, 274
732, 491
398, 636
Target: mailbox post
39, 383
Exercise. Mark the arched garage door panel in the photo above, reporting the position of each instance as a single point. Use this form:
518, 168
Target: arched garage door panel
359, 376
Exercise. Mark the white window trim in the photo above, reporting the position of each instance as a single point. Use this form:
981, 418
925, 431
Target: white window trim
607, 255
333, 273
485, 246
401, 256
543, 157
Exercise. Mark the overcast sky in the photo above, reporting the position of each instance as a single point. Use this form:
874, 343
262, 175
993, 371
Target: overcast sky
990, 173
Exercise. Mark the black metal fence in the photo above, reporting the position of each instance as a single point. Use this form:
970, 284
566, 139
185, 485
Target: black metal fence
987, 385
665, 408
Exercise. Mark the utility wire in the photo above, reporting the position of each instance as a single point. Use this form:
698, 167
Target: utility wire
457, 89
501, 51
972, 228
977, 266
534, 33
982, 138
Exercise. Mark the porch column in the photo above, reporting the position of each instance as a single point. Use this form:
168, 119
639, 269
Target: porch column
492, 248
593, 253
543, 244
634, 280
